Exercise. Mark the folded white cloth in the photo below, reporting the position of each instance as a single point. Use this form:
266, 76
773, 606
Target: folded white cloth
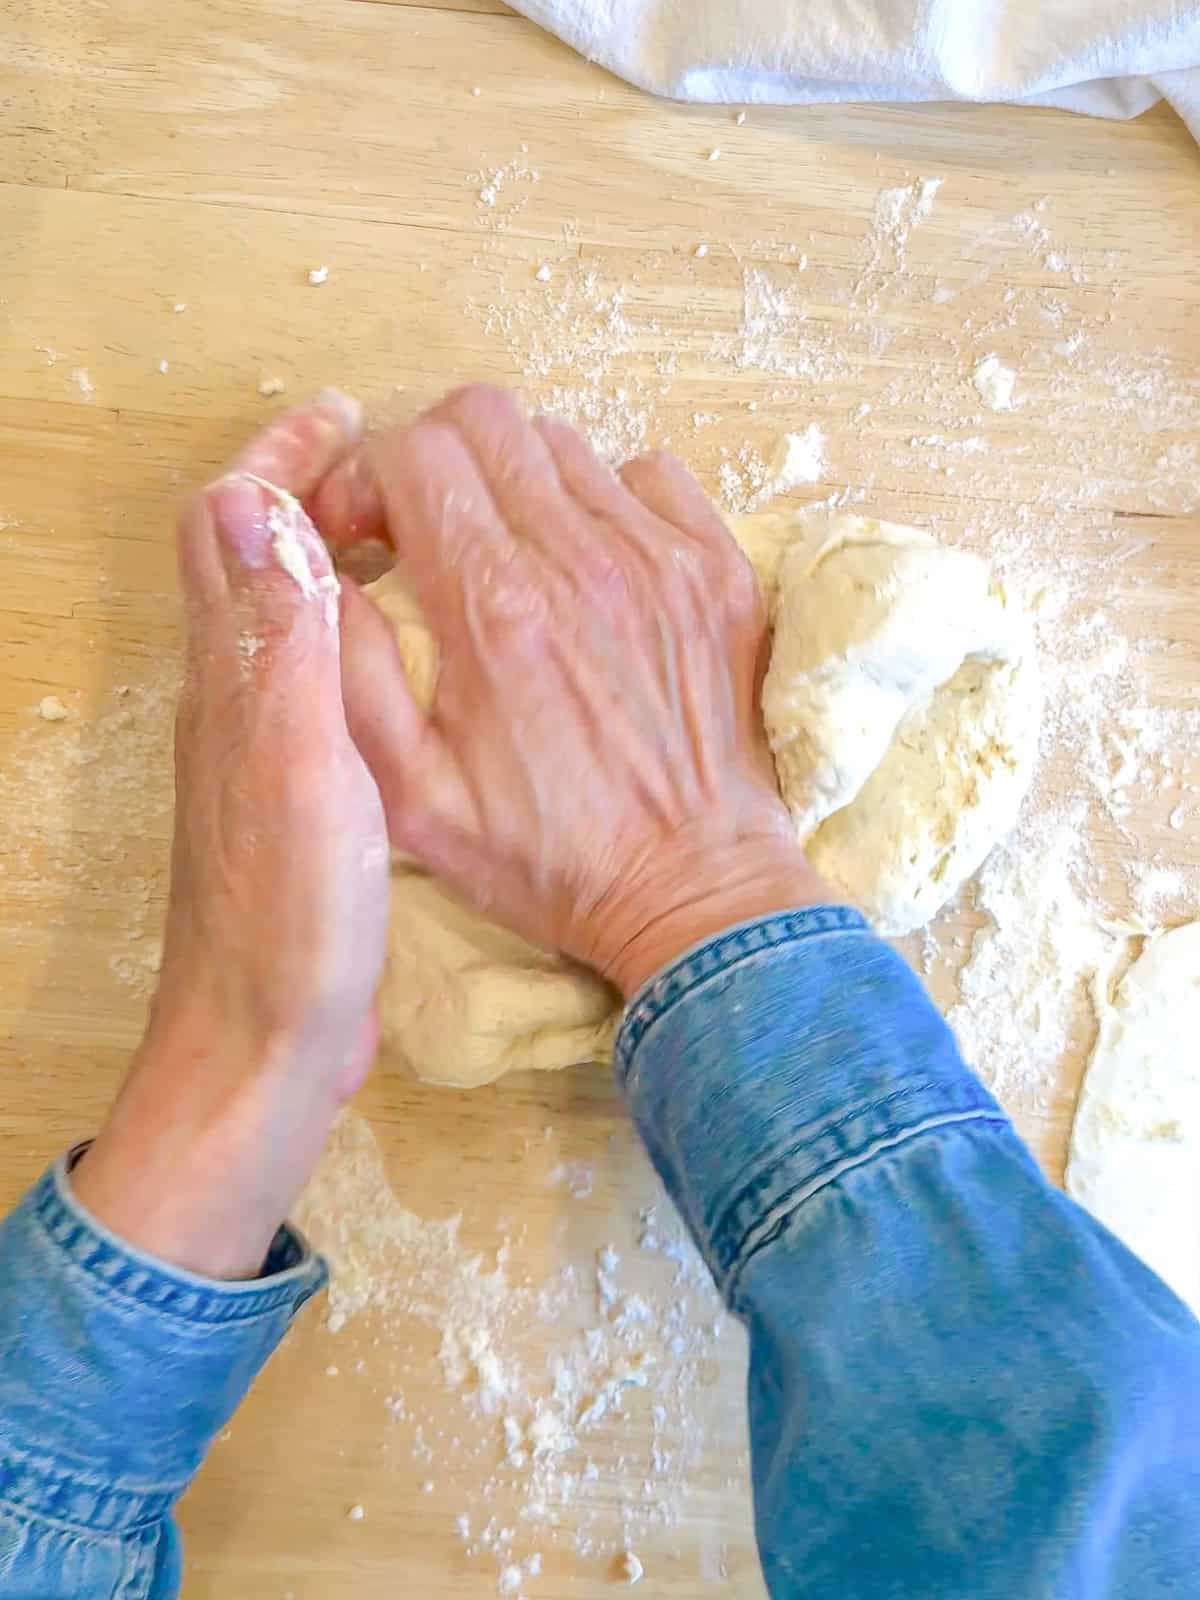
1112, 58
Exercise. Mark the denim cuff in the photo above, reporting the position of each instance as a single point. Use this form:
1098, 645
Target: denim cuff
769, 1060
116, 1370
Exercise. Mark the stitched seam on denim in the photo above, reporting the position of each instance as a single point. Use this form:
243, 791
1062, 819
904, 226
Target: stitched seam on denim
133, 1508
752, 938
224, 1303
117, 1533
767, 1231
207, 1308
748, 1194
755, 938
75, 1532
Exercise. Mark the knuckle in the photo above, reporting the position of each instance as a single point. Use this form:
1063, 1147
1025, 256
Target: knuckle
473, 402
509, 593
689, 567
658, 461
743, 598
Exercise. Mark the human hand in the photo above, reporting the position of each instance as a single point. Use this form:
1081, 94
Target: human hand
593, 771
263, 1021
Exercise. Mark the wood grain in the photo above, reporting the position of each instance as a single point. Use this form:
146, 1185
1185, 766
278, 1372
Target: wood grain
210, 157
491, 7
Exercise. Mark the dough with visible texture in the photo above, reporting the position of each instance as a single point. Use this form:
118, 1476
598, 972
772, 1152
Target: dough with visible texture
902, 704
1135, 1143
463, 1001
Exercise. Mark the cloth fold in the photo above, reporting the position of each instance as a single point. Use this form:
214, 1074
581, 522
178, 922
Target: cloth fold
1108, 58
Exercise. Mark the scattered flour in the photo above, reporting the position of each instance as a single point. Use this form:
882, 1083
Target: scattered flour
541, 1379
995, 383
87, 822
493, 184
799, 458
1024, 993
897, 212
629, 1568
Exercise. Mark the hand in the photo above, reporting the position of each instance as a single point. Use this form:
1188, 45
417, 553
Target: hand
263, 1021
593, 771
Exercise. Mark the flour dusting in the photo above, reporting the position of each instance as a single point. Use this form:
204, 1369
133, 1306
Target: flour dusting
543, 1384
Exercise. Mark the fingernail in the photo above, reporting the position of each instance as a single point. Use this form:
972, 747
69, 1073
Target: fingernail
240, 507
348, 410
260, 525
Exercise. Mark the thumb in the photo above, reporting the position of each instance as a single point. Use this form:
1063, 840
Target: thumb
261, 600
398, 741
276, 613
273, 557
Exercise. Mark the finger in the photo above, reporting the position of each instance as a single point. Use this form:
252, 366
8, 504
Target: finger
348, 503
617, 524
515, 462
261, 593
300, 446
365, 494
665, 486
354, 502
395, 738
585, 477
444, 525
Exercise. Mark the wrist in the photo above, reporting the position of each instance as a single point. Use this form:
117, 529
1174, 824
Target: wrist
691, 897
203, 1154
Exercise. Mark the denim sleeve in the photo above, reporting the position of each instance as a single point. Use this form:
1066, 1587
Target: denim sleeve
961, 1385
115, 1373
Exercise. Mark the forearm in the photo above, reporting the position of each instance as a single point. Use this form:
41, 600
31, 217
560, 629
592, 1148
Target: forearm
960, 1385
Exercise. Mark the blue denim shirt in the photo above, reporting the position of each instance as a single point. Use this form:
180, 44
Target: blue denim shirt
960, 1384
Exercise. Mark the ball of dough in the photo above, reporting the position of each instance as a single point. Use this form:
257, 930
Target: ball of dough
464, 1000
902, 705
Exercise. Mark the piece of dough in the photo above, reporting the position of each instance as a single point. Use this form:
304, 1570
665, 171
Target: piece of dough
1135, 1143
462, 1001
902, 705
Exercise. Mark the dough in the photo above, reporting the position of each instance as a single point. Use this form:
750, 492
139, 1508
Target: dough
462, 1001
1135, 1144
902, 705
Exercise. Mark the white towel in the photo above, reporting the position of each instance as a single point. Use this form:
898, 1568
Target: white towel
1112, 58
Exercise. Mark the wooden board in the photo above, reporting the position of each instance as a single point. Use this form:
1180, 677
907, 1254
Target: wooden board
209, 154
